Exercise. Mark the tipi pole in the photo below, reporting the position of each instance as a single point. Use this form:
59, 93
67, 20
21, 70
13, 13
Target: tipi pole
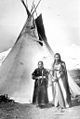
26, 7
33, 7
36, 7
25, 21
26, 4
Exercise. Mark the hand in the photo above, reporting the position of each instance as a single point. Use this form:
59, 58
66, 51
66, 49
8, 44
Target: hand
44, 77
40, 77
54, 79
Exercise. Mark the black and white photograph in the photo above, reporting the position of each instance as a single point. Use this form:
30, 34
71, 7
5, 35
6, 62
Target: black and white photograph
39, 59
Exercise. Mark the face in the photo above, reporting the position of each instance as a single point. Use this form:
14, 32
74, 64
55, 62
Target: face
40, 65
57, 58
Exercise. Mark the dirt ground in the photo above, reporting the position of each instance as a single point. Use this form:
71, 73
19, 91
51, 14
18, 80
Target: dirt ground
29, 111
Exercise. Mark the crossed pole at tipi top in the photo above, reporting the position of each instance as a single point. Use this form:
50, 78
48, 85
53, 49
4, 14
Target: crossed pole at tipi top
33, 11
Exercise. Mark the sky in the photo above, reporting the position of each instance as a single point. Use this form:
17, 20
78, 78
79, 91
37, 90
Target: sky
61, 20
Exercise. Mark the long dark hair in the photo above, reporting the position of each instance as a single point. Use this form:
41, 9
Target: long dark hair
55, 60
59, 57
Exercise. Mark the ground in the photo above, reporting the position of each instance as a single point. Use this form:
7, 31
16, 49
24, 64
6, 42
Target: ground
12, 110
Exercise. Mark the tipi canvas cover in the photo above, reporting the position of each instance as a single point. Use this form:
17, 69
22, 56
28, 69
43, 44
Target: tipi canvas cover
16, 69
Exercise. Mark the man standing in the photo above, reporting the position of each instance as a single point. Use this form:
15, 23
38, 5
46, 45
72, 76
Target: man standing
40, 75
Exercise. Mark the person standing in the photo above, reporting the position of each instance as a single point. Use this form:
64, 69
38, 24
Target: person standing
61, 95
40, 75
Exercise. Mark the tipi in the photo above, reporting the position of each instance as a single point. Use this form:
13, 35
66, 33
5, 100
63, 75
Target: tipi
16, 69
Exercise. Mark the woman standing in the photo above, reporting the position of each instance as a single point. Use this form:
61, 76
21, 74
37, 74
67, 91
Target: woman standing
61, 93
40, 75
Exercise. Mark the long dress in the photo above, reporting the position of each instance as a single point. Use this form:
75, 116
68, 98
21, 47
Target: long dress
61, 93
40, 95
